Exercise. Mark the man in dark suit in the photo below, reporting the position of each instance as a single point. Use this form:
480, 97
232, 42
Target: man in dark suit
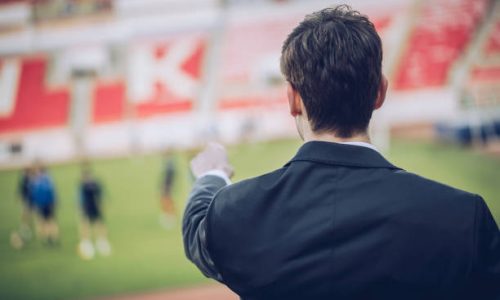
338, 221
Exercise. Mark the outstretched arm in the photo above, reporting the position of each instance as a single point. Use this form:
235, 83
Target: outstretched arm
212, 170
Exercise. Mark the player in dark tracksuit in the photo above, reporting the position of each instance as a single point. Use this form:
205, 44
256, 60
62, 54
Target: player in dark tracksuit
90, 192
25, 232
90, 198
25, 187
167, 218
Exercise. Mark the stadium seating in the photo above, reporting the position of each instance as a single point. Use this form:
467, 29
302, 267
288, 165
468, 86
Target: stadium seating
36, 106
440, 34
381, 23
251, 102
110, 98
493, 43
109, 102
162, 102
249, 77
486, 74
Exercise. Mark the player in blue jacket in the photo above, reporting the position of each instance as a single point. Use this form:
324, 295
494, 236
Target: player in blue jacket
44, 198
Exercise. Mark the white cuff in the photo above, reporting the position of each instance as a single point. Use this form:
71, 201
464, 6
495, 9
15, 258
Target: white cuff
218, 173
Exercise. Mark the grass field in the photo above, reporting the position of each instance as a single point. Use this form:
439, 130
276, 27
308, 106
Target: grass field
147, 257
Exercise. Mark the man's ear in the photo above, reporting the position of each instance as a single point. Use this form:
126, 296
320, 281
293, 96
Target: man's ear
294, 100
382, 90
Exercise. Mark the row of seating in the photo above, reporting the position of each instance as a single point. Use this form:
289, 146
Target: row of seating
109, 102
38, 106
487, 69
440, 35
442, 31
487, 74
493, 43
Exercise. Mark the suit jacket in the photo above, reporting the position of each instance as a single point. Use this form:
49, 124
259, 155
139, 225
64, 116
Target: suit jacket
341, 222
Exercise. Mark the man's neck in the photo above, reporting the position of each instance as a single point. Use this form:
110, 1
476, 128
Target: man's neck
307, 134
331, 137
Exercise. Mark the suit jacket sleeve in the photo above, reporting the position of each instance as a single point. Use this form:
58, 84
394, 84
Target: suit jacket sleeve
194, 224
486, 263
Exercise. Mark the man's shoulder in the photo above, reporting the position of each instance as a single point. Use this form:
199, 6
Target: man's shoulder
431, 191
250, 188
397, 179
264, 181
427, 183
403, 187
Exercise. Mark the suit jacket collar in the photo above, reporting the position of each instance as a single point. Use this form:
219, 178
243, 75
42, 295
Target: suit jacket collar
341, 155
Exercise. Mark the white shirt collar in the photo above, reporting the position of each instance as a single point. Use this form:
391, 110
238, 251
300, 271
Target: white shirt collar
361, 144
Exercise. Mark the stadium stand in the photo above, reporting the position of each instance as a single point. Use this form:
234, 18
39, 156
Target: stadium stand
156, 77
36, 106
192, 66
109, 98
108, 102
493, 44
484, 76
162, 102
261, 101
489, 74
440, 34
163, 98
251, 78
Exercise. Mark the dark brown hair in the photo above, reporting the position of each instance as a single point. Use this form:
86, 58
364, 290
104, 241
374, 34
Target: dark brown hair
333, 58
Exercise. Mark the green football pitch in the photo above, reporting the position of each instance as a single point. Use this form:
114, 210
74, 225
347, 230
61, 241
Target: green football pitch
146, 256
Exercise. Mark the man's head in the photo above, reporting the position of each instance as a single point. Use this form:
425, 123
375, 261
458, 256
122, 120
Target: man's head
333, 63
